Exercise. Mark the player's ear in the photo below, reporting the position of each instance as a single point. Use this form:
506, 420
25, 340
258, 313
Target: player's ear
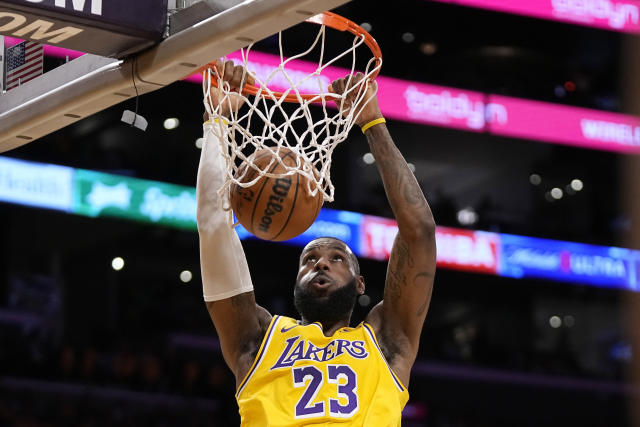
360, 285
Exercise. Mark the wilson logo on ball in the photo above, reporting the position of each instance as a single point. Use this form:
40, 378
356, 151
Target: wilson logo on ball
280, 190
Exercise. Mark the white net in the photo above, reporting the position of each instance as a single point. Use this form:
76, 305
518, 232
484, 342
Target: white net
305, 117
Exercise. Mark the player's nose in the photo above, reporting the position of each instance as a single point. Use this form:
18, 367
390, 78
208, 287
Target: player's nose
321, 264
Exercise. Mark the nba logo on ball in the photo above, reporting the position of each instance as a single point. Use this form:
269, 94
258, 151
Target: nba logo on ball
275, 208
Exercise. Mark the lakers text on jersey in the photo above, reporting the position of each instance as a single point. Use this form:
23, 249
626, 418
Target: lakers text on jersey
302, 377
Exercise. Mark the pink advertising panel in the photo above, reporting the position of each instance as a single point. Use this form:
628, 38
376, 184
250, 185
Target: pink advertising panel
615, 15
402, 100
458, 249
264, 66
567, 125
399, 99
455, 108
475, 111
436, 105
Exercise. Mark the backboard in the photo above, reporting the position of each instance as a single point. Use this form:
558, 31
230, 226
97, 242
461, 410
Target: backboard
197, 35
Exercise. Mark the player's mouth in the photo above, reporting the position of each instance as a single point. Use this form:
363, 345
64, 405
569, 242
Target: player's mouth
321, 280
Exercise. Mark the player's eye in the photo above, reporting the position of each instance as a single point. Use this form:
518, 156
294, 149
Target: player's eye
338, 258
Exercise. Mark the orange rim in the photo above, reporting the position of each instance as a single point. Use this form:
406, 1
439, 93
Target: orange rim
331, 20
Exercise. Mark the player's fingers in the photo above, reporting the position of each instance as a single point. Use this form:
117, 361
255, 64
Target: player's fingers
227, 71
338, 86
218, 66
354, 80
237, 80
247, 78
333, 86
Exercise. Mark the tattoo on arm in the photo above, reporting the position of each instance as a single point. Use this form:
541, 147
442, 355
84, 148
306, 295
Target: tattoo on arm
402, 260
401, 179
396, 275
411, 267
422, 280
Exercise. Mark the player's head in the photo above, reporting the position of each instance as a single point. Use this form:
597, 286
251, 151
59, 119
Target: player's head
328, 281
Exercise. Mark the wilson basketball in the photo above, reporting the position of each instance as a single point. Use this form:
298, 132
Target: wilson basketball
274, 208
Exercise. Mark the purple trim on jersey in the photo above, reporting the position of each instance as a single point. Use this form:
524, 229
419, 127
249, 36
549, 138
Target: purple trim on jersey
373, 338
267, 340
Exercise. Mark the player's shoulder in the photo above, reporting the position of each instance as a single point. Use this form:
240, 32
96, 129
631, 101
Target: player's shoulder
285, 323
264, 318
374, 318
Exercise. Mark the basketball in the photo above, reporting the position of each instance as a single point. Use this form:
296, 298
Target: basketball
274, 208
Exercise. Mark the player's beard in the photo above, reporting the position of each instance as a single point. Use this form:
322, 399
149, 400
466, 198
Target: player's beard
327, 309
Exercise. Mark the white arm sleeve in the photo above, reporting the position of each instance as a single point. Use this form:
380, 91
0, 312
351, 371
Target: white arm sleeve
225, 272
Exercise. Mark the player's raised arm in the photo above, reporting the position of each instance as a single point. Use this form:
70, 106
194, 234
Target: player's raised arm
227, 286
398, 319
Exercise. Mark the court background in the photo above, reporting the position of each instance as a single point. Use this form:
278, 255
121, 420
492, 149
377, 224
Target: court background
83, 344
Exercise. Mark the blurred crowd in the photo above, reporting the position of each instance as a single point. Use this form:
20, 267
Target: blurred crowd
86, 387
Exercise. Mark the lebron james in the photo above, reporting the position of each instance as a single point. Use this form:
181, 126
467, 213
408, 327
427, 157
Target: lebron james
319, 370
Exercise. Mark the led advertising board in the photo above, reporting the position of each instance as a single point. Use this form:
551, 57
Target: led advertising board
473, 111
466, 110
604, 266
97, 194
615, 15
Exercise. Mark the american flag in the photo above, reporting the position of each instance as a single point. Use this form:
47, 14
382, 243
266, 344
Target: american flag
23, 63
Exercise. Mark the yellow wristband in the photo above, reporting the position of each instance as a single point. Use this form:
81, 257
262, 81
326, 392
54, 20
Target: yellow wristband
216, 121
373, 123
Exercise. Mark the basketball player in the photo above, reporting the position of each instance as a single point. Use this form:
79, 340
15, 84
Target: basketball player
318, 370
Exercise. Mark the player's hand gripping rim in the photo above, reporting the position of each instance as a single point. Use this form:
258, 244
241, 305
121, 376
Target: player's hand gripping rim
367, 108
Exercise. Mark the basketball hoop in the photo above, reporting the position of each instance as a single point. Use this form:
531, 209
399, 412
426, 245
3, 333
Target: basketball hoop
270, 123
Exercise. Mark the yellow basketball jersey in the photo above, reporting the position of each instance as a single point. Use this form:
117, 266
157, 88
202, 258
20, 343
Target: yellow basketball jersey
302, 378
